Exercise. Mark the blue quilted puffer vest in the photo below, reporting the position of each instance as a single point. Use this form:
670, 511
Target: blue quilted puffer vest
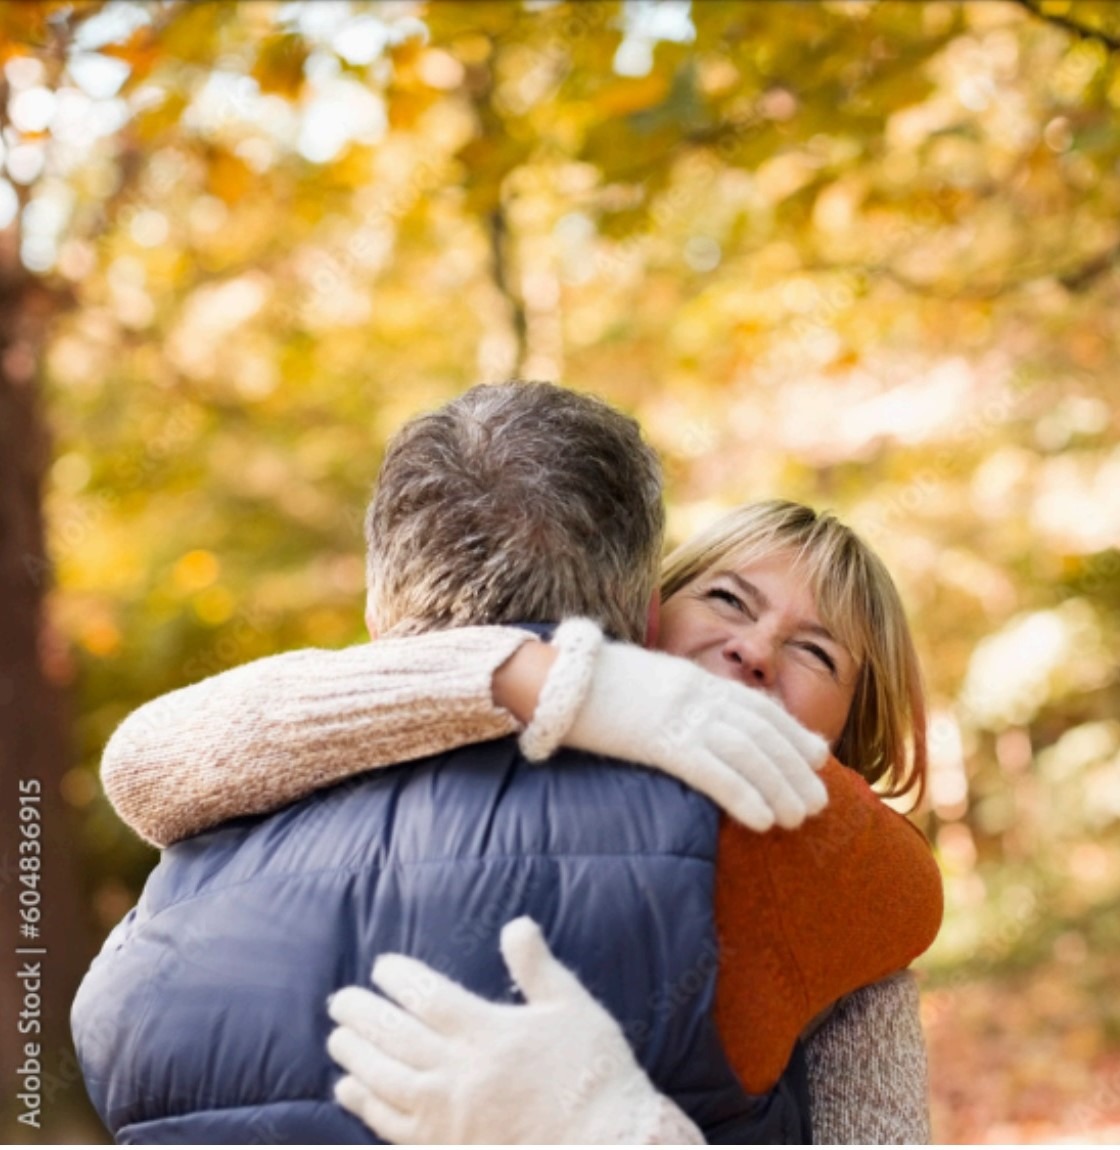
203, 1019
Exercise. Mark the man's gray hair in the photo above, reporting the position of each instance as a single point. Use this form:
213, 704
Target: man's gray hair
516, 502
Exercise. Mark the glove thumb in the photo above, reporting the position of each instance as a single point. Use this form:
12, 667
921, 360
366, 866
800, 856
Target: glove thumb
537, 972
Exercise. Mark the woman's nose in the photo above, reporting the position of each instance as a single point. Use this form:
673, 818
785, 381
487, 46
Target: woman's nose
753, 660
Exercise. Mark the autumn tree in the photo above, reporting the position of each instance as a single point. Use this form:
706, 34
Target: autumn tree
858, 253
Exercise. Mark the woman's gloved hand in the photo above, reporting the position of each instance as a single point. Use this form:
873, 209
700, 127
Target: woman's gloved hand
735, 745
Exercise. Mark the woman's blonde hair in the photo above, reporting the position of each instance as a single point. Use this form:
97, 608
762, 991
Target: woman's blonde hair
884, 737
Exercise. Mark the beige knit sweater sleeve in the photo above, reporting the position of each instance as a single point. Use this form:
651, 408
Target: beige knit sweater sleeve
868, 1078
253, 739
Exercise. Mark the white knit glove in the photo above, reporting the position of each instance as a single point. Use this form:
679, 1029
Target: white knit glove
446, 1066
731, 743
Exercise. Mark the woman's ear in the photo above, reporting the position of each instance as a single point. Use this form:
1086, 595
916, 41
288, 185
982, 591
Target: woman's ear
653, 620
371, 621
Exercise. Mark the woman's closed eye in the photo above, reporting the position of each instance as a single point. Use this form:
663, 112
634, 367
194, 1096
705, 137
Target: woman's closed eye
730, 598
821, 655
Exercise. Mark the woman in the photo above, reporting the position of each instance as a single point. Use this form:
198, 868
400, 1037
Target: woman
774, 596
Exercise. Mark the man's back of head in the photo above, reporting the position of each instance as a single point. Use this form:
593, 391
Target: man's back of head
516, 502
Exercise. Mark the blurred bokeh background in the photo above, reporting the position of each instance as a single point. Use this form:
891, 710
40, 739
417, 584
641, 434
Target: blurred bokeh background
862, 254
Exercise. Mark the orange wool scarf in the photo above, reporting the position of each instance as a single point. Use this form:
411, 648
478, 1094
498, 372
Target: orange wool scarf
807, 916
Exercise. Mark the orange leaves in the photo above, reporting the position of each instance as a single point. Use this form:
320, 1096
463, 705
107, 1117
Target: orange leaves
417, 82
154, 121
488, 160
228, 176
31, 24
624, 96
279, 65
194, 32
1024, 1058
142, 51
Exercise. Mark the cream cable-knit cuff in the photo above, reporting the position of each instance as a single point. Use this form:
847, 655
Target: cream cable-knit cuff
577, 642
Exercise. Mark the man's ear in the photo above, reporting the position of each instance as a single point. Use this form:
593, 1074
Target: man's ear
653, 620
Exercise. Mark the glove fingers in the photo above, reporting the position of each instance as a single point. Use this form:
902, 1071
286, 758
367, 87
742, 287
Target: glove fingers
796, 770
812, 746
391, 1080
384, 1120
782, 776
386, 1025
729, 790
537, 972
440, 1004
779, 766
807, 743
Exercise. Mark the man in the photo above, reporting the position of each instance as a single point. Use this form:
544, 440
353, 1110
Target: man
203, 1019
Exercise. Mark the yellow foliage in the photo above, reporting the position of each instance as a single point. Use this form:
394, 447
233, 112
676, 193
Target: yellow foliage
196, 569
858, 254
228, 176
142, 51
279, 64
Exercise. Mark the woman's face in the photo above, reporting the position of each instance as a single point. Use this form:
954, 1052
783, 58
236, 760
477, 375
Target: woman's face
758, 623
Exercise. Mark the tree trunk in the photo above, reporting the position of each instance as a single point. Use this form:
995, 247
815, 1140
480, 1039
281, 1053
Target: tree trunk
502, 273
35, 746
